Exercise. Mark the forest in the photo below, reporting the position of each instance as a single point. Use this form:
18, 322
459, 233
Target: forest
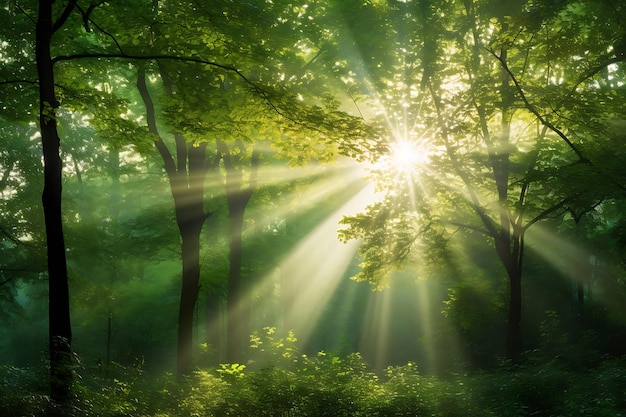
312, 208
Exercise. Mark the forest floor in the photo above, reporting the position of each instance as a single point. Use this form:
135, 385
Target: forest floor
327, 385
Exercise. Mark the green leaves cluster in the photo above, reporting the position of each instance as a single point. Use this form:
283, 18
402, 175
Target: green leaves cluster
389, 238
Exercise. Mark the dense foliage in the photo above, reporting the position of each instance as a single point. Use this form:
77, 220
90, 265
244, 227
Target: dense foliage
292, 384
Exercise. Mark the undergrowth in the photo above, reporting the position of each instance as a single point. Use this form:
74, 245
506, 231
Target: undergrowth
282, 382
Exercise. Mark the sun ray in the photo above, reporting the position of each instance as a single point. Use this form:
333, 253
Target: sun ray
309, 275
344, 180
376, 329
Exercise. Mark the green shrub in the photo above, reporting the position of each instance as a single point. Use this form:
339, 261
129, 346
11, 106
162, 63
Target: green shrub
296, 385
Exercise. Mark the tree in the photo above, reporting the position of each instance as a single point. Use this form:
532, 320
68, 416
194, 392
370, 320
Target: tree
60, 331
142, 35
237, 197
187, 185
46, 27
491, 74
227, 114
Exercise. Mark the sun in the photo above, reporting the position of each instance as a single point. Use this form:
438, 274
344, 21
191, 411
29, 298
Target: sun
406, 156
405, 159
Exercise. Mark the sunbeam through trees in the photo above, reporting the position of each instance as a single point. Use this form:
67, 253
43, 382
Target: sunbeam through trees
327, 208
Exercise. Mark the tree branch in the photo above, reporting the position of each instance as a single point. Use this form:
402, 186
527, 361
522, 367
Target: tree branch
168, 161
547, 212
61, 58
34, 21
6, 281
474, 204
19, 82
87, 19
66, 13
86, 14
470, 227
11, 237
264, 94
597, 69
534, 111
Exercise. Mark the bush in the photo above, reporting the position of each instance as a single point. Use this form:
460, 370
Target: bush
23, 391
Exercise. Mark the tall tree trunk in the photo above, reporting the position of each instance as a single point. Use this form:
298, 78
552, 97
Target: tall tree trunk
513, 334
507, 235
188, 191
237, 197
513, 268
186, 177
508, 240
190, 254
236, 321
60, 331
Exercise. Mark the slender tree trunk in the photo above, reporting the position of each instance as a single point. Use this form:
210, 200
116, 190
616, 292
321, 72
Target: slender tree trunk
60, 332
513, 334
186, 177
188, 193
237, 197
236, 321
509, 248
190, 254
512, 265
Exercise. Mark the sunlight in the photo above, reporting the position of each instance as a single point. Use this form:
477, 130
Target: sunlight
571, 260
407, 158
403, 168
310, 274
406, 155
294, 292
376, 329
316, 183
401, 324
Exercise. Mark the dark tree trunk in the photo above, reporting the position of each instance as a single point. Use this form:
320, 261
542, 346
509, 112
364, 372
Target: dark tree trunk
511, 262
509, 247
235, 319
186, 177
188, 192
513, 334
60, 332
190, 254
237, 197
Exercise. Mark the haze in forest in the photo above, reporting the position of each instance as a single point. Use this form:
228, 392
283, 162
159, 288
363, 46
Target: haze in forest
213, 189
